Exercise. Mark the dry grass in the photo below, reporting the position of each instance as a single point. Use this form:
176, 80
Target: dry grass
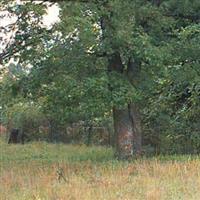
93, 177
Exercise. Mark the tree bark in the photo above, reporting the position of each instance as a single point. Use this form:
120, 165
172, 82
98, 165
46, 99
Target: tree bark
127, 132
127, 128
127, 125
13, 138
134, 115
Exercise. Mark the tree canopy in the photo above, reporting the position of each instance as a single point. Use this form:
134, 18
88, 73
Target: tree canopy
133, 60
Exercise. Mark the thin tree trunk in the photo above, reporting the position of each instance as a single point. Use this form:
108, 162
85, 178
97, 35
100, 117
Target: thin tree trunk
89, 134
13, 138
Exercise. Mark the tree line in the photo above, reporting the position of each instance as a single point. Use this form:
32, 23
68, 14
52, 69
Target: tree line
133, 63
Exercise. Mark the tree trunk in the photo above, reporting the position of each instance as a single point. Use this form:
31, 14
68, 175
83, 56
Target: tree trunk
127, 132
13, 138
89, 134
127, 120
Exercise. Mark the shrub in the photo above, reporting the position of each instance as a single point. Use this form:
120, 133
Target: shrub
26, 117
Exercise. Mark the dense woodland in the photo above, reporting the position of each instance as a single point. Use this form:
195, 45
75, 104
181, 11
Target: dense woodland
109, 72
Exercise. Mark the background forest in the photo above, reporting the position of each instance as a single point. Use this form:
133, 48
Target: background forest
102, 67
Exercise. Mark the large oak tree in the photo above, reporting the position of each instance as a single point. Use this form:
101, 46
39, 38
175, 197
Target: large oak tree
105, 53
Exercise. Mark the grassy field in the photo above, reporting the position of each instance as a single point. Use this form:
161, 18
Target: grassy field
41, 171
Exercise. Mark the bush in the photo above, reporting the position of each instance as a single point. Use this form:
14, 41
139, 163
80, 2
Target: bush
26, 117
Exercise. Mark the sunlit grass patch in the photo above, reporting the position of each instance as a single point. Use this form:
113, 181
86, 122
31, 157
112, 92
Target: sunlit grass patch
42, 171
43, 151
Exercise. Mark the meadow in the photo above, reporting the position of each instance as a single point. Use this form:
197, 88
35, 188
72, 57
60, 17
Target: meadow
42, 171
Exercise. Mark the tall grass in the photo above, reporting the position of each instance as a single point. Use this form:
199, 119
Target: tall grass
42, 171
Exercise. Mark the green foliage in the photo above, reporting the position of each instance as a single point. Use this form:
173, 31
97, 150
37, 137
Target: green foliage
69, 78
26, 117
